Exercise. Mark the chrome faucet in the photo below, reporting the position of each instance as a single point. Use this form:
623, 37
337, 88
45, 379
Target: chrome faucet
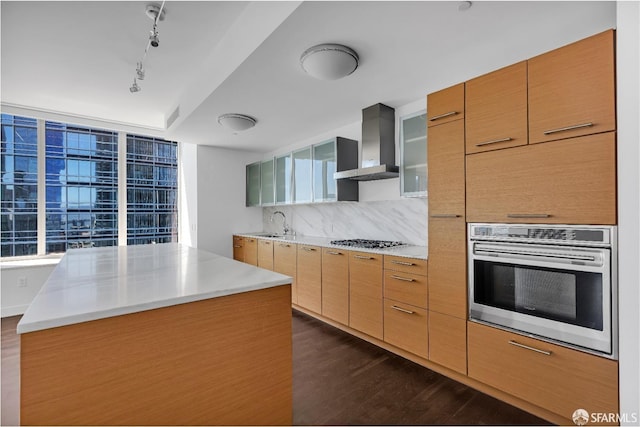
285, 227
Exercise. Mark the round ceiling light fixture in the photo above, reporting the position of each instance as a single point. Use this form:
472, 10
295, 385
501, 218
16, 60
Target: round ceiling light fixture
329, 61
237, 122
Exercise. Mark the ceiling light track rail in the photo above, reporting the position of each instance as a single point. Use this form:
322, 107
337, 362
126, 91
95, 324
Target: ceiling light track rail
157, 13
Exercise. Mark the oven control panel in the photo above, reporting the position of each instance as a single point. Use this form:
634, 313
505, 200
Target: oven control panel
560, 234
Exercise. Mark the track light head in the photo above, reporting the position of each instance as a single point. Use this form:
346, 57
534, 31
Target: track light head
154, 40
140, 71
134, 87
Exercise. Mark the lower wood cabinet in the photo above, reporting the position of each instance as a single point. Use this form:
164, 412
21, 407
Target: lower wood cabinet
309, 278
448, 341
238, 248
335, 285
572, 181
265, 254
365, 293
556, 378
406, 287
250, 250
406, 327
285, 262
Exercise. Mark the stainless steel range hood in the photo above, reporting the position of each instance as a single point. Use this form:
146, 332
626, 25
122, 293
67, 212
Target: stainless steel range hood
378, 151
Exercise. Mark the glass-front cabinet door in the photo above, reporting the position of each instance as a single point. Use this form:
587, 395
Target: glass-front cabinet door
267, 192
253, 185
284, 175
302, 175
324, 166
413, 147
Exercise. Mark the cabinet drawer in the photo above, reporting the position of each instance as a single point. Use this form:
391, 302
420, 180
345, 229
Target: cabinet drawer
560, 381
445, 105
406, 265
406, 327
496, 109
406, 288
448, 341
572, 90
565, 182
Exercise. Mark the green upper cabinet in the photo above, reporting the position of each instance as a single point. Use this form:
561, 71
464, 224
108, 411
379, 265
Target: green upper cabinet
324, 166
413, 152
267, 191
253, 184
302, 175
284, 175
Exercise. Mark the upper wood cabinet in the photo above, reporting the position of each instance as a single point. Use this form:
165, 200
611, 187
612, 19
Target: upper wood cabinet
365, 293
309, 277
496, 109
285, 262
445, 106
265, 254
572, 90
568, 182
335, 285
446, 170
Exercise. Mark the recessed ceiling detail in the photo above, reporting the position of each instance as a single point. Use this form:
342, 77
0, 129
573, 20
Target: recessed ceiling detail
329, 61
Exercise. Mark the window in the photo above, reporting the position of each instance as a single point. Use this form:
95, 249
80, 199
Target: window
76, 170
81, 187
19, 198
152, 188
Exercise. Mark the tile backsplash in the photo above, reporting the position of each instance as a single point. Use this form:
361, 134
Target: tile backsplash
403, 219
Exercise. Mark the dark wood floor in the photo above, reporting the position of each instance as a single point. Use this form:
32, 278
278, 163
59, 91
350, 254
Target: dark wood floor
339, 379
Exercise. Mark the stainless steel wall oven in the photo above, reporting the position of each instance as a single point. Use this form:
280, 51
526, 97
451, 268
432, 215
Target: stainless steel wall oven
554, 282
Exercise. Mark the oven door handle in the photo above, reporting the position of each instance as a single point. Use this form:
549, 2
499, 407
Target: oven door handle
535, 254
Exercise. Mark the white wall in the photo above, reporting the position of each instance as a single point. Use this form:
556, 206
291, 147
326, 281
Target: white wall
628, 98
20, 285
221, 207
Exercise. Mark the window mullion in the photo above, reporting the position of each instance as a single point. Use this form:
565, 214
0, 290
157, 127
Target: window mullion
122, 189
42, 180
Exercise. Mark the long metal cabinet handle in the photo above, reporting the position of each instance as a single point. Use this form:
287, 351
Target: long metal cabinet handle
395, 307
445, 216
537, 350
583, 125
442, 116
334, 253
309, 249
284, 245
405, 279
528, 215
393, 261
237, 246
362, 257
494, 141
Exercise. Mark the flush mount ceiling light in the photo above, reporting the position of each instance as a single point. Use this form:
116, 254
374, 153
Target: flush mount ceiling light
156, 13
464, 5
237, 122
329, 61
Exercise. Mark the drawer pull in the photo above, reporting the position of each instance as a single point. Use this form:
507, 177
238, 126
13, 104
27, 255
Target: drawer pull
442, 116
264, 242
237, 246
409, 264
445, 216
405, 279
494, 141
363, 257
309, 249
284, 245
528, 215
251, 240
334, 253
583, 125
395, 307
517, 344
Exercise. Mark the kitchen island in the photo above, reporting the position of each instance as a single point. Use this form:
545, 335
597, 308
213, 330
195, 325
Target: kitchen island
157, 335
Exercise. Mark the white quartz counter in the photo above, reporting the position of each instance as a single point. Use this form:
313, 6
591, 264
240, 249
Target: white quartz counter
91, 284
407, 251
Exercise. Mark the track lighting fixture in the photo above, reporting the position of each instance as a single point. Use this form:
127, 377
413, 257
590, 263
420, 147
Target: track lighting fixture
156, 13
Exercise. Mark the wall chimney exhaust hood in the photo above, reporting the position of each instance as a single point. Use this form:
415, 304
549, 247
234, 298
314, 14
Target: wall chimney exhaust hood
378, 151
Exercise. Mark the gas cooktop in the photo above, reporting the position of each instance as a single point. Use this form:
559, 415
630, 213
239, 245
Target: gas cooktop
368, 244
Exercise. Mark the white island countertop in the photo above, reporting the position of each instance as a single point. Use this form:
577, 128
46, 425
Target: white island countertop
96, 283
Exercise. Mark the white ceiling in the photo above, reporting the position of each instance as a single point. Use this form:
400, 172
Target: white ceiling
78, 58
